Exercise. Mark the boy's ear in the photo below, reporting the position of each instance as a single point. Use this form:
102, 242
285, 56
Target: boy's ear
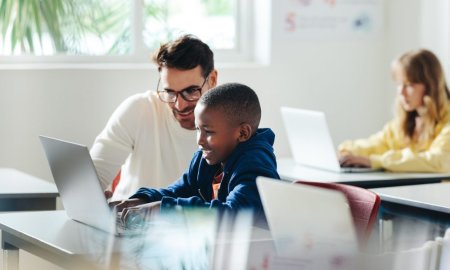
245, 132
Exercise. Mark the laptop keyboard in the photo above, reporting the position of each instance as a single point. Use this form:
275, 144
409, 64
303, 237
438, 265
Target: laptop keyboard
134, 223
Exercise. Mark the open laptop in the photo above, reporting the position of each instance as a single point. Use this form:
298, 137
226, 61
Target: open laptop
79, 186
310, 140
307, 222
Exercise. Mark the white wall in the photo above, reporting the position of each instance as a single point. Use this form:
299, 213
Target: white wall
349, 80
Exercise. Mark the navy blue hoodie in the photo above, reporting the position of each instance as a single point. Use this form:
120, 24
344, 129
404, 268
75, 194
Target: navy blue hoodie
238, 189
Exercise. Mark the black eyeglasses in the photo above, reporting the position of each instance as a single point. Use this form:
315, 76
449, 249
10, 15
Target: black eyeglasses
192, 93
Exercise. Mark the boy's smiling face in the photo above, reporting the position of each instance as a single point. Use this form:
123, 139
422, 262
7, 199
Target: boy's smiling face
216, 135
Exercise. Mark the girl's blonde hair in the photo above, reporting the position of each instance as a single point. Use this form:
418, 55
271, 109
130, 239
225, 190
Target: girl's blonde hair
422, 66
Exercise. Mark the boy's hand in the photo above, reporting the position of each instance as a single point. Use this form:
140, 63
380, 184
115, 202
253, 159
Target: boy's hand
134, 216
118, 206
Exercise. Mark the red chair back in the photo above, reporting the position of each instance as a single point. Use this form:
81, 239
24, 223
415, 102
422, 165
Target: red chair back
364, 205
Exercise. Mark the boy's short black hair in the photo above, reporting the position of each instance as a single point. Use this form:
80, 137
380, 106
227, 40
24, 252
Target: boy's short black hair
184, 53
239, 103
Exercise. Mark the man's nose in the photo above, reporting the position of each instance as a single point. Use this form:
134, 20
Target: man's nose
180, 103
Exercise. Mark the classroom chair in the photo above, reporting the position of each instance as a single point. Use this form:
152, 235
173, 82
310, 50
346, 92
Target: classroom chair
364, 205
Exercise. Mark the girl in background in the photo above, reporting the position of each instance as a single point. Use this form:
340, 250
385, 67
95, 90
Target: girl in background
418, 138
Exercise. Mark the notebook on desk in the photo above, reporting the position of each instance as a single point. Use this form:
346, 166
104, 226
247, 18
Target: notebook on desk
307, 222
310, 141
79, 186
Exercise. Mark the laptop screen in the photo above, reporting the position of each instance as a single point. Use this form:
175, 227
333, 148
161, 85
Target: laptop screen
307, 221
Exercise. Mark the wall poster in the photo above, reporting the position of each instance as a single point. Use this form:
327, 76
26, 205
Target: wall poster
331, 19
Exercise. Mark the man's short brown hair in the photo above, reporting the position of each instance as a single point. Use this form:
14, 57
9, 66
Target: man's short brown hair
184, 53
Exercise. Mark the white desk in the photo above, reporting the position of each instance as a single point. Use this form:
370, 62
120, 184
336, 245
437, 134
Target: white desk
54, 237
290, 171
428, 202
432, 197
50, 235
411, 215
22, 192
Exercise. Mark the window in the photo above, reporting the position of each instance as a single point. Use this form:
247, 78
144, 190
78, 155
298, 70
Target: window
117, 30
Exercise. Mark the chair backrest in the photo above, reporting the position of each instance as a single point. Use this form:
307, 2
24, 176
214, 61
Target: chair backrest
364, 205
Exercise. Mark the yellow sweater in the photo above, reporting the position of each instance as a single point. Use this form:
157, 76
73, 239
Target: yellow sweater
387, 150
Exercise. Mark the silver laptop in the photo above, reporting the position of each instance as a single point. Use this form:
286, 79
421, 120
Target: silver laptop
307, 222
78, 184
310, 140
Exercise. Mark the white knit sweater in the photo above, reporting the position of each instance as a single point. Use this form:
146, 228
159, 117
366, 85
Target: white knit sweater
144, 139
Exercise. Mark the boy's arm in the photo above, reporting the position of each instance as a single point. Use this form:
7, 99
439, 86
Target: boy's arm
185, 186
243, 192
143, 202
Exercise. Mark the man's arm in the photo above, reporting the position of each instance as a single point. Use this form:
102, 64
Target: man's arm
115, 143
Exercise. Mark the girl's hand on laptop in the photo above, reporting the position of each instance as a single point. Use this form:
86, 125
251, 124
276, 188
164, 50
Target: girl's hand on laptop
136, 215
342, 153
350, 160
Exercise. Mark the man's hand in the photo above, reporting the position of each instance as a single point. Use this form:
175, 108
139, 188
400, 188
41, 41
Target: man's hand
108, 194
350, 160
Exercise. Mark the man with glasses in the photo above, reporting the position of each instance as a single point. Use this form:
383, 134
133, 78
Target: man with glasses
150, 138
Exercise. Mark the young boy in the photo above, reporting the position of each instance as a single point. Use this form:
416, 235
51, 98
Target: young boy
233, 152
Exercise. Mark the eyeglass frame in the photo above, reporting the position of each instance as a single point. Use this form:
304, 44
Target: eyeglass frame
199, 88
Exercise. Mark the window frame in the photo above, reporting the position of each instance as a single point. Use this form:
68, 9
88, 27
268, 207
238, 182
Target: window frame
141, 55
